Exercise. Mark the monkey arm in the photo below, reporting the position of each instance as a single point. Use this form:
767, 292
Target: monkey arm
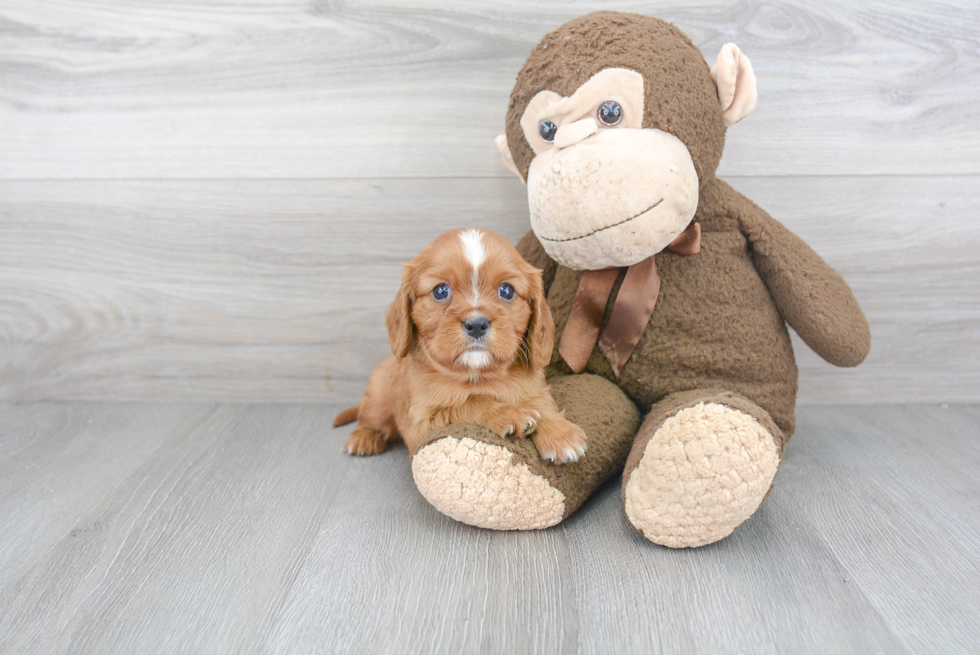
809, 294
532, 250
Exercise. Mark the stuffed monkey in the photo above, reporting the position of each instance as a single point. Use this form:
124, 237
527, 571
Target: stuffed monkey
670, 293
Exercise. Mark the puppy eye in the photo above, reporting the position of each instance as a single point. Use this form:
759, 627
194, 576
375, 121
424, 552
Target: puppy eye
547, 130
441, 292
610, 113
506, 291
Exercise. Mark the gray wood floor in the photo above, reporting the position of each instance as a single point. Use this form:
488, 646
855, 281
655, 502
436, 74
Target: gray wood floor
210, 201
132, 527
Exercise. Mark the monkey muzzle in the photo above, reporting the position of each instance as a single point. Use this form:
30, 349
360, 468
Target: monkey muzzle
611, 197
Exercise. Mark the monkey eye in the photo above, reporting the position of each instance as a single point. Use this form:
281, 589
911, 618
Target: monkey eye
506, 291
610, 113
547, 130
441, 292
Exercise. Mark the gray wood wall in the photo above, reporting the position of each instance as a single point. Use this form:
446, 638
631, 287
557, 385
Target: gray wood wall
210, 200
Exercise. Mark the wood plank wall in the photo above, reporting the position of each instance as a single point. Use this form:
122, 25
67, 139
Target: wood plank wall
210, 200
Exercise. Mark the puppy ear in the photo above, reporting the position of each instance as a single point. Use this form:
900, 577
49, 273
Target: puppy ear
399, 317
541, 329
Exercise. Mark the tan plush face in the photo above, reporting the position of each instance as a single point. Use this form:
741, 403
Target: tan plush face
604, 195
604, 191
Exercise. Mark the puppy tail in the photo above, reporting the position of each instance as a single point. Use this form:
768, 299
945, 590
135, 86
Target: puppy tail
349, 415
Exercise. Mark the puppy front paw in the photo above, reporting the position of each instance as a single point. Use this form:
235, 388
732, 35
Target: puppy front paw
365, 441
560, 441
513, 421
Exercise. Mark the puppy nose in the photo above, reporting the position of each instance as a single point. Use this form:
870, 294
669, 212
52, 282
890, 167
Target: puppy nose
476, 326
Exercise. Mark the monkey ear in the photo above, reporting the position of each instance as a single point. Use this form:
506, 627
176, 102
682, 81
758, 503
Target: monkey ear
399, 317
541, 329
736, 83
504, 149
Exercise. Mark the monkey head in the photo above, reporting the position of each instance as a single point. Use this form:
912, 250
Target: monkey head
614, 122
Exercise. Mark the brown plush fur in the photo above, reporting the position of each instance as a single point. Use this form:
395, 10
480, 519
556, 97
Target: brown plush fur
720, 321
717, 323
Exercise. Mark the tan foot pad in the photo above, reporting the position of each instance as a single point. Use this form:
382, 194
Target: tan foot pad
704, 471
479, 484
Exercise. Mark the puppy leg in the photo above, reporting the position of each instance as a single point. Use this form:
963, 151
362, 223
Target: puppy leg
556, 438
365, 441
559, 440
501, 418
509, 420
376, 416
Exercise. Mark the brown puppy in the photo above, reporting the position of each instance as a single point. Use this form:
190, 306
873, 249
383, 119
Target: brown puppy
470, 331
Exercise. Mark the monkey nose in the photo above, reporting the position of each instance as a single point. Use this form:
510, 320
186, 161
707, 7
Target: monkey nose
572, 133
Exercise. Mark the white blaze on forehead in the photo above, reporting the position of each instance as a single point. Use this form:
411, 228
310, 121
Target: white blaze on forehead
473, 247
475, 252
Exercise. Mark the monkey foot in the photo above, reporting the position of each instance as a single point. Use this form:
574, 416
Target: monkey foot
701, 473
480, 478
481, 484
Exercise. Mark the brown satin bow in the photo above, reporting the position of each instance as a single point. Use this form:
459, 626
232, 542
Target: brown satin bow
632, 311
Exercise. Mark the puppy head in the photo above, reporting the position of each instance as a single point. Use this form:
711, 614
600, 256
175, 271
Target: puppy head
469, 303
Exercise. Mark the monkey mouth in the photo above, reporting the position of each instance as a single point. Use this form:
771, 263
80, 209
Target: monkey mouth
607, 227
